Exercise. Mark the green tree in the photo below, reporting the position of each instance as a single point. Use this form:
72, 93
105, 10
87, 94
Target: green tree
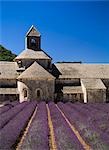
6, 55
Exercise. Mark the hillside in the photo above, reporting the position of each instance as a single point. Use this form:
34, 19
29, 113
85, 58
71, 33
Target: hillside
6, 55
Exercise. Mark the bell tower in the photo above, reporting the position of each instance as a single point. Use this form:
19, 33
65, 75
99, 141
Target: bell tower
33, 39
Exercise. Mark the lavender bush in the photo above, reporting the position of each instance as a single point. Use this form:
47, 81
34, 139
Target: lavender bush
65, 138
95, 115
7, 106
14, 103
4, 109
11, 132
101, 107
37, 136
8, 115
78, 115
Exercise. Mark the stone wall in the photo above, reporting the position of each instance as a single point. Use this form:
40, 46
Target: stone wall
21, 88
27, 63
106, 83
73, 97
96, 95
68, 81
84, 92
8, 83
9, 97
43, 62
45, 88
107, 94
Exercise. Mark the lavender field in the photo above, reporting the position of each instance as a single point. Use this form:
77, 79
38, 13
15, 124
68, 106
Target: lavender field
61, 126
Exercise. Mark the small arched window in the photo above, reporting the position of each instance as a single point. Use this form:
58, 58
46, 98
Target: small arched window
38, 93
33, 41
25, 93
20, 63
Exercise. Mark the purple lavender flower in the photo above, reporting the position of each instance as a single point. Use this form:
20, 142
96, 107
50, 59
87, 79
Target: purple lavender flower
11, 132
37, 136
81, 115
65, 137
8, 115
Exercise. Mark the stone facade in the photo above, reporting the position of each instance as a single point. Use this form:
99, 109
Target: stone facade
94, 90
95, 95
77, 97
33, 76
36, 90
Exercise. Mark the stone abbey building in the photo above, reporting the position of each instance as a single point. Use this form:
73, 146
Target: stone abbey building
33, 76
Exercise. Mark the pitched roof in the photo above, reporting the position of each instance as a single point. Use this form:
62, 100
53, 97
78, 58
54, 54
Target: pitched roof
72, 70
93, 84
36, 71
8, 70
31, 54
8, 91
33, 32
72, 89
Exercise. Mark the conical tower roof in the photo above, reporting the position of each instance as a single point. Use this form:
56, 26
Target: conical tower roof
33, 32
36, 72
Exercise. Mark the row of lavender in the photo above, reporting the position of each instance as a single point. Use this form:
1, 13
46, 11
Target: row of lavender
91, 120
37, 136
13, 122
64, 136
96, 114
8, 106
6, 116
38, 133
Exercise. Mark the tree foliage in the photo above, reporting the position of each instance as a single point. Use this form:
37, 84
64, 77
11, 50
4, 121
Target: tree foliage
6, 55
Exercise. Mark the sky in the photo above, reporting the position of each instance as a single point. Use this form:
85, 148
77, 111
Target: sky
70, 30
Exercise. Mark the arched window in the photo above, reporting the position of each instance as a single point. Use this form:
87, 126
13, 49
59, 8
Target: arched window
38, 93
25, 93
33, 41
20, 63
